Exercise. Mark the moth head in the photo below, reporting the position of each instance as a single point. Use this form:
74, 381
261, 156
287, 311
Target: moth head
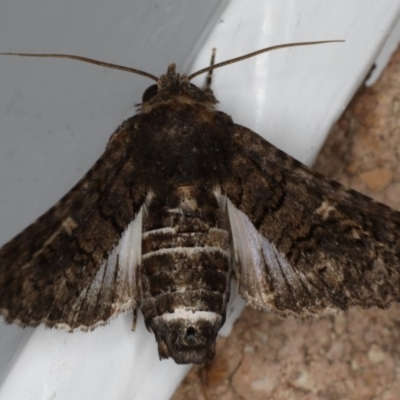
173, 85
188, 340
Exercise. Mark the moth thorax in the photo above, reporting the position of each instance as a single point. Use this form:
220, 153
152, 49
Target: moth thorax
187, 336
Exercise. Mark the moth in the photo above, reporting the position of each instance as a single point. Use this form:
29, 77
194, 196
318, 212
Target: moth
182, 201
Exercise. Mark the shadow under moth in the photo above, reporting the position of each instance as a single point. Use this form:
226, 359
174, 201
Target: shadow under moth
182, 201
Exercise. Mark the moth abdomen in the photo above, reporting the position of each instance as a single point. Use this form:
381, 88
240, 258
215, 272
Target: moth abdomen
185, 274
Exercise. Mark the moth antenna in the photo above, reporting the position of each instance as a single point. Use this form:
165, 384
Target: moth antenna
256, 53
207, 84
87, 60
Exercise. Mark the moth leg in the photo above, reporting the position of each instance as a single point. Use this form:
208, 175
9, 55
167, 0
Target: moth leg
207, 83
134, 320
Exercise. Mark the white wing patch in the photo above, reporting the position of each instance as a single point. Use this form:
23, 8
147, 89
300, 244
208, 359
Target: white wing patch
250, 248
116, 281
130, 256
263, 274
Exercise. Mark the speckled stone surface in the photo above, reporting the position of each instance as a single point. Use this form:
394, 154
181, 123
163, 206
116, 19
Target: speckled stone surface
355, 355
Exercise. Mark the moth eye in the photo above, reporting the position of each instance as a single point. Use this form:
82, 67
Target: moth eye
149, 93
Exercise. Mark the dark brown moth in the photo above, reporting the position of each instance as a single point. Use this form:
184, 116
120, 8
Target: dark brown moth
182, 201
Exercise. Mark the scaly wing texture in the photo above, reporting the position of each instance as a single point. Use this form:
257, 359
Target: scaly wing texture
304, 244
73, 267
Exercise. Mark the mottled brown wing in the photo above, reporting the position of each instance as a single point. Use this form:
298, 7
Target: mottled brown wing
304, 244
66, 268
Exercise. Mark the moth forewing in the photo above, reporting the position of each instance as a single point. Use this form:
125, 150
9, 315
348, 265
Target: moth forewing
323, 248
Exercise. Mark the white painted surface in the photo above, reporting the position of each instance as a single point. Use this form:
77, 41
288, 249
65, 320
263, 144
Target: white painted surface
57, 115
292, 96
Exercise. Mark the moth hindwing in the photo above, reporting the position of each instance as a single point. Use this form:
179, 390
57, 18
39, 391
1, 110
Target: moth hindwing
181, 201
